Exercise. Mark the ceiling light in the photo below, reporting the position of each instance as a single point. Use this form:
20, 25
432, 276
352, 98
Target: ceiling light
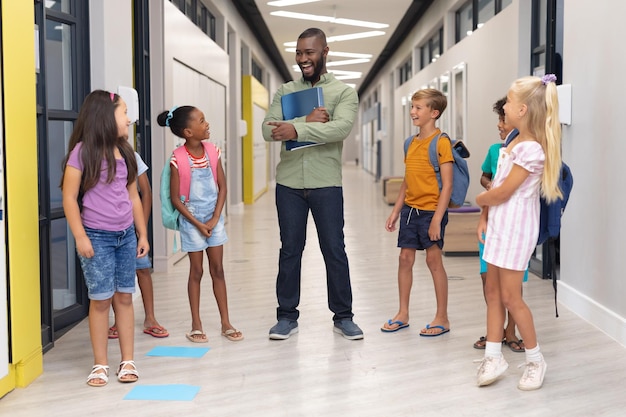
338, 63
284, 3
341, 54
346, 75
339, 74
330, 19
348, 37
347, 62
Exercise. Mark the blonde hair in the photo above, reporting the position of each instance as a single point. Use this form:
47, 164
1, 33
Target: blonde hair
542, 123
434, 99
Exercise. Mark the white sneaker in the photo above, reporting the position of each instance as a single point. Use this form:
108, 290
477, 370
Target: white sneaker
490, 369
533, 375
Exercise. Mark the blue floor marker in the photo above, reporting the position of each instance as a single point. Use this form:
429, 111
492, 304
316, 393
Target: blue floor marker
179, 352
175, 392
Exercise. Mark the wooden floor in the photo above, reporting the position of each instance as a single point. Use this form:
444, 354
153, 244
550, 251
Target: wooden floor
319, 373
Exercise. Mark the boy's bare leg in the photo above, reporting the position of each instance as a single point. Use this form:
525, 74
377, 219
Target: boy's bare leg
434, 262
405, 282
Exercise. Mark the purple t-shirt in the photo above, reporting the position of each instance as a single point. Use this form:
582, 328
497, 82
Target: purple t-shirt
105, 206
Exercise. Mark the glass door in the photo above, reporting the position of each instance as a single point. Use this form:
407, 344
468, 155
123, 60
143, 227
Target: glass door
62, 83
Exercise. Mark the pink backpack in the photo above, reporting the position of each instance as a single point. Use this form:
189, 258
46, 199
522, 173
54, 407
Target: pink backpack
169, 215
184, 170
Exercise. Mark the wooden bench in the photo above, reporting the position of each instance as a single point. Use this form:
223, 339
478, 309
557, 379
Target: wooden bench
391, 187
460, 236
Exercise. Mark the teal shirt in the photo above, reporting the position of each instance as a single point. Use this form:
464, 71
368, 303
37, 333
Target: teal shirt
491, 160
316, 166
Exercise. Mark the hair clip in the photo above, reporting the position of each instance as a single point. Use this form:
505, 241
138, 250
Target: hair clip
548, 78
112, 95
170, 116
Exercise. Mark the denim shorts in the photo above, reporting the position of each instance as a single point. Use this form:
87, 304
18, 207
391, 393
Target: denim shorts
112, 268
143, 262
194, 241
414, 226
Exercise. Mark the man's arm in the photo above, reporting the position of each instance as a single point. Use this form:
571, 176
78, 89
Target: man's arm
338, 127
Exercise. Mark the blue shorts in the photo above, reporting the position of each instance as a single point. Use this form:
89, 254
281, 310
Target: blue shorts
194, 241
112, 268
414, 226
143, 262
483, 264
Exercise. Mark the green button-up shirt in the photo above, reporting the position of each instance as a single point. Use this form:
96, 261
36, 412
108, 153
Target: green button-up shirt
316, 166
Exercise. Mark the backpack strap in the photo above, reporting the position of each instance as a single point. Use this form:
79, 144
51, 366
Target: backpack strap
407, 143
434, 157
551, 242
184, 170
211, 151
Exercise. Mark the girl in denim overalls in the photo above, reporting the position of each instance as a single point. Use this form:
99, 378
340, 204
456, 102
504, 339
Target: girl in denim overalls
201, 223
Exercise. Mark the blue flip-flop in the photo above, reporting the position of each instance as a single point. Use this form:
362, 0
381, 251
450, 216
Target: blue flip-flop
401, 325
428, 326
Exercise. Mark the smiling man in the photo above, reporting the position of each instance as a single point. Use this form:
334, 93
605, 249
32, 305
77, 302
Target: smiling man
309, 179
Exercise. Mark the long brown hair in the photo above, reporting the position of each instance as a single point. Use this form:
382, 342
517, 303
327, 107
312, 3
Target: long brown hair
97, 129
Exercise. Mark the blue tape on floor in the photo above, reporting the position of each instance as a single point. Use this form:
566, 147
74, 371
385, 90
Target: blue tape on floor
176, 392
179, 352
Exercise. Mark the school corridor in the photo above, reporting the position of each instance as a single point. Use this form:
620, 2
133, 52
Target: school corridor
317, 372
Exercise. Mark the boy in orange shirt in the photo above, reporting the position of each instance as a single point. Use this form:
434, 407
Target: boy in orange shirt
423, 211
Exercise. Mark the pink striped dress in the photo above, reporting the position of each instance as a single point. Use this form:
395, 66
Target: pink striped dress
513, 226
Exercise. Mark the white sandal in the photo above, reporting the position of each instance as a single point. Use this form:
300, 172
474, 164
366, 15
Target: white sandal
122, 372
98, 375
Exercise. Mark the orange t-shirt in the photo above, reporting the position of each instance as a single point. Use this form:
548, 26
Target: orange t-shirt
422, 189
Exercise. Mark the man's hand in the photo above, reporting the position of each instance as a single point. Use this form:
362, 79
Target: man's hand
319, 114
283, 131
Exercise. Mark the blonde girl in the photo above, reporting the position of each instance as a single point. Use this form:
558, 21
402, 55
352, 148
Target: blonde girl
527, 169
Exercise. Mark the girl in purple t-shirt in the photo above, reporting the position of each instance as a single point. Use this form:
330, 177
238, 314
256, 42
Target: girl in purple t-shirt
100, 174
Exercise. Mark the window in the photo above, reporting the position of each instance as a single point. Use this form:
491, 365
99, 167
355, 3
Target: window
475, 13
538, 59
432, 49
464, 21
404, 72
257, 71
198, 14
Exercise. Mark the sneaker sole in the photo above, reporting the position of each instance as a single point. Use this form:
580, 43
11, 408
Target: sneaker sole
354, 337
279, 336
492, 380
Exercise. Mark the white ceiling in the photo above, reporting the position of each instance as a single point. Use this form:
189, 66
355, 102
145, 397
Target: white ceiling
379, 11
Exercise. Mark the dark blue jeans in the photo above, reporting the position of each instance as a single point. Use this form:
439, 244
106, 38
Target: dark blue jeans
326, 206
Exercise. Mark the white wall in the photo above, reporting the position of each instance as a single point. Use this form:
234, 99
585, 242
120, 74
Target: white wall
592, 270
493, 61
183, 56
591, 279
111, 44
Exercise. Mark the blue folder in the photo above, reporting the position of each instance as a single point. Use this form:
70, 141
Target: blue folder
299, 104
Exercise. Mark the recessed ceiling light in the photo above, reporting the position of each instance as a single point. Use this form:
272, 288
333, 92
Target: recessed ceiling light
341, 54
348, 37
339, 74
347, 62
284, 3
330, 19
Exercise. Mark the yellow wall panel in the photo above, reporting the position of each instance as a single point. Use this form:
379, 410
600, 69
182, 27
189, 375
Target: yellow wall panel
22, 204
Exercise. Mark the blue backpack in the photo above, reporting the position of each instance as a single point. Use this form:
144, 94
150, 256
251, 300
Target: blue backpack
550, 213
461, 177
550, 217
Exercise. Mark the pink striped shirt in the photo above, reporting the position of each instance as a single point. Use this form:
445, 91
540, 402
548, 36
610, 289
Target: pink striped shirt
513, 226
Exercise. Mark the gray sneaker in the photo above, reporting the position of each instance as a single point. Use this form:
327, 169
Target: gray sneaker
283, 329
348, 329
